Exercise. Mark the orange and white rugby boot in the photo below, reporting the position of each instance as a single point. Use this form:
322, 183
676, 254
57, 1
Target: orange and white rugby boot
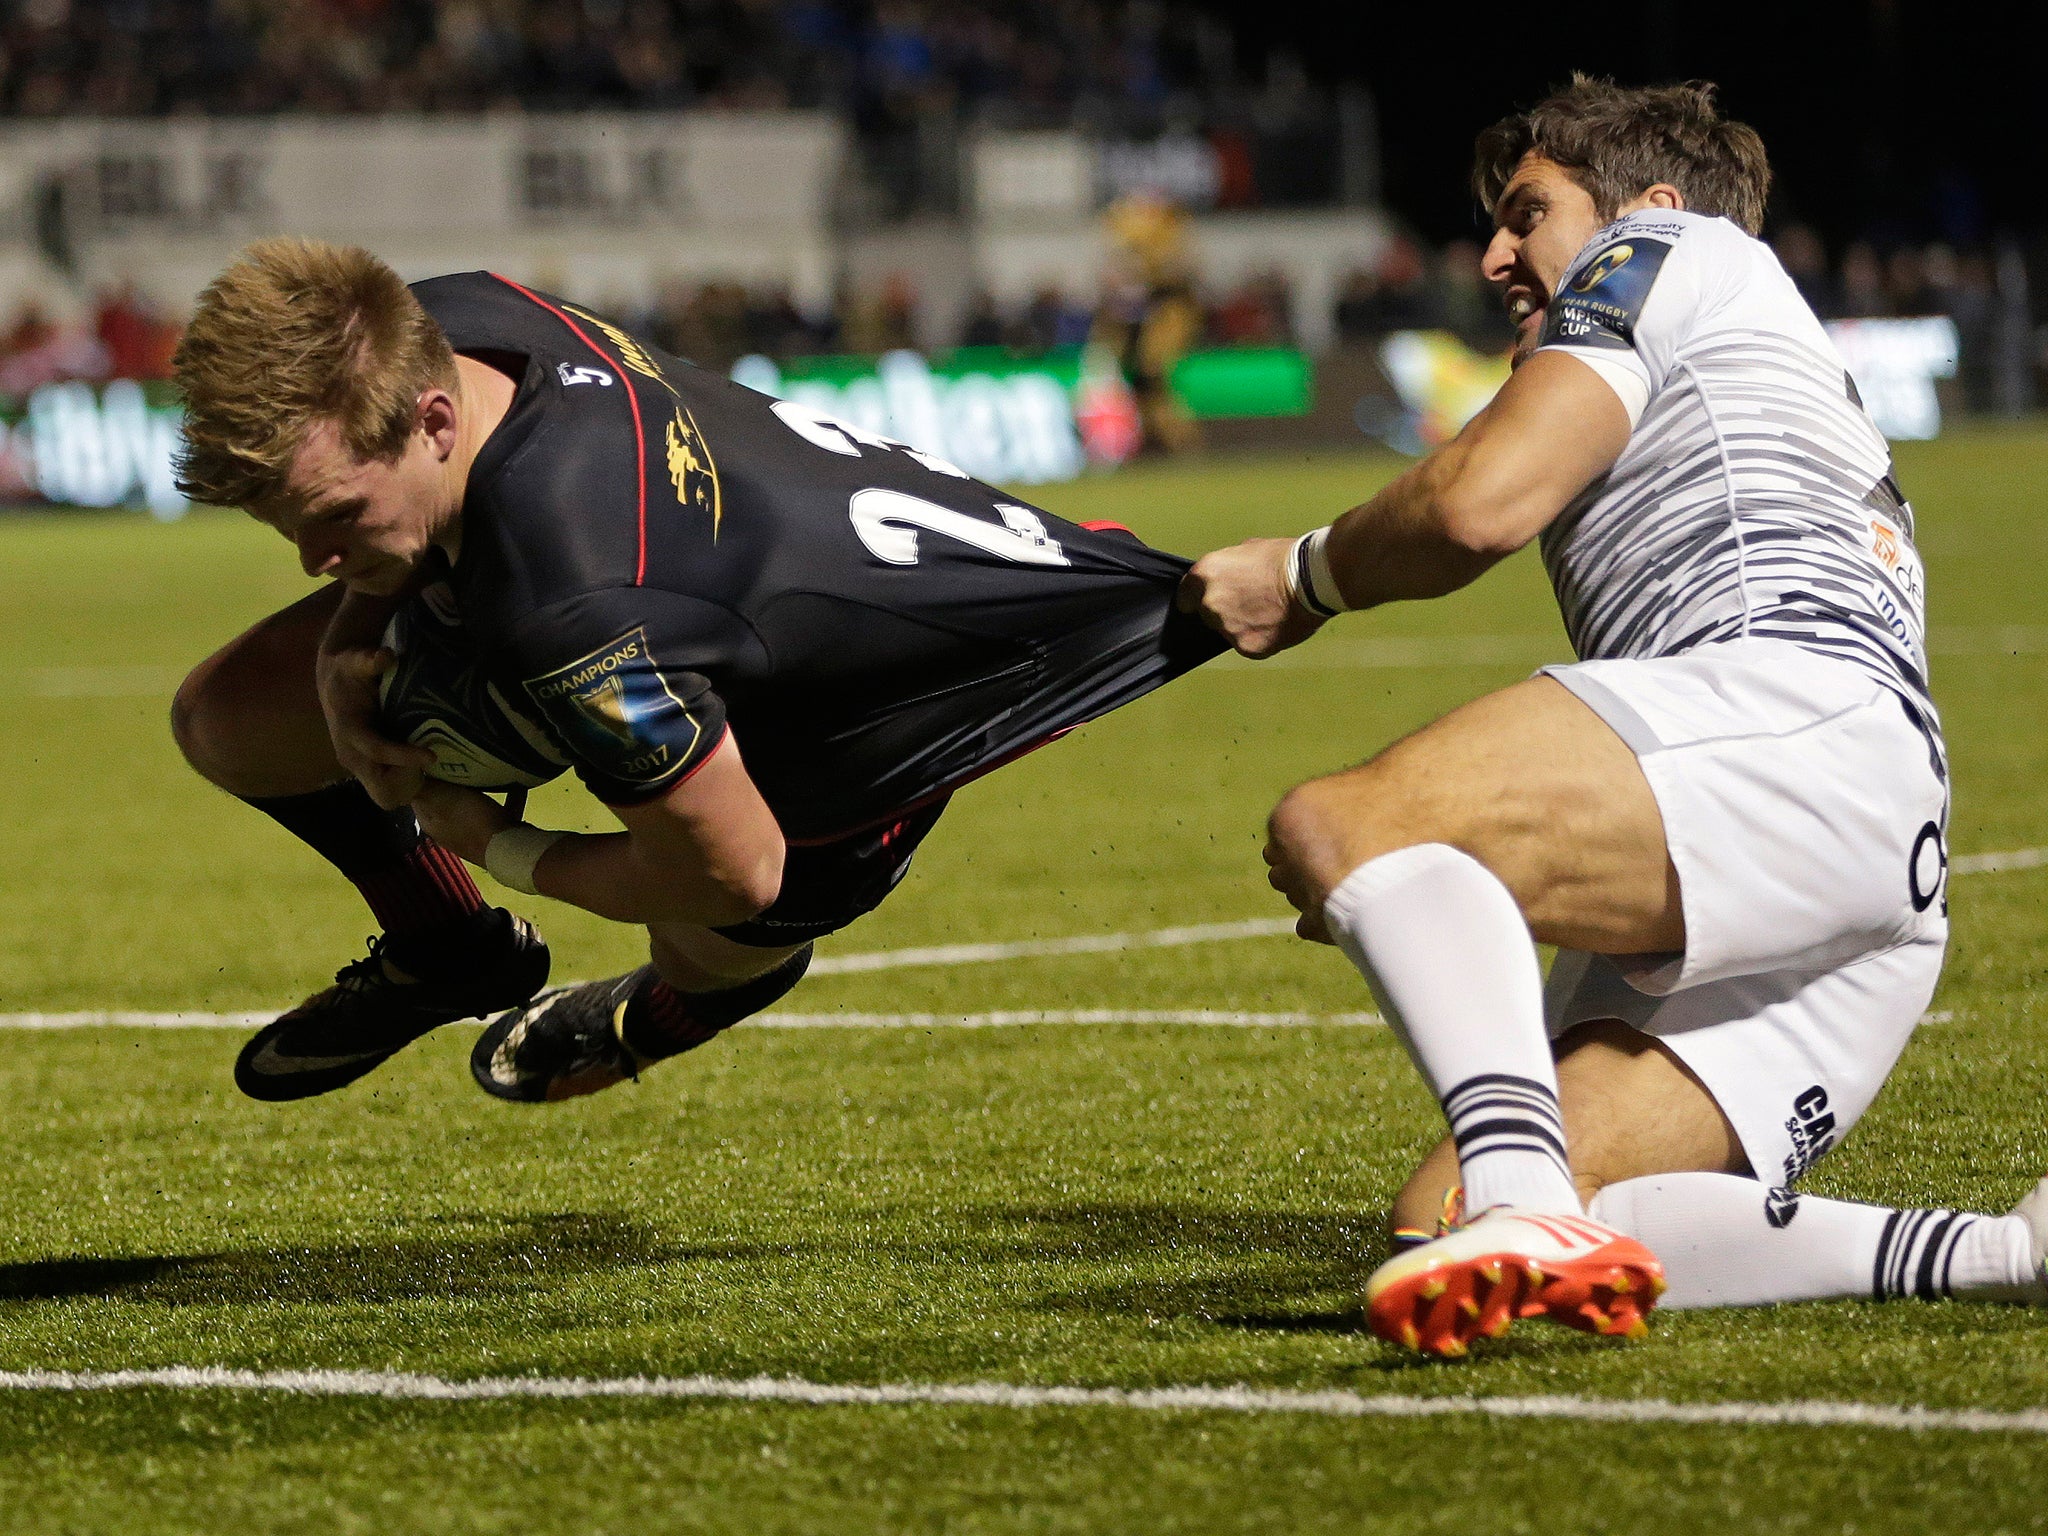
1504, 1264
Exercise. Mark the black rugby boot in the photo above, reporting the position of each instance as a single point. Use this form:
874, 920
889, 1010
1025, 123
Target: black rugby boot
494, 960
579, 1040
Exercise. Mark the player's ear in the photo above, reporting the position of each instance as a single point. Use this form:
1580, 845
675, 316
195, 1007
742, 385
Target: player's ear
435, 416
1664, 195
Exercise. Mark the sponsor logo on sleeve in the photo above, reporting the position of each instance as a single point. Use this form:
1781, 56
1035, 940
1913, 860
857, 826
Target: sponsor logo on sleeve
1892, 549
1927, 868
692, 470
616, 711
1602, 267
1603, 299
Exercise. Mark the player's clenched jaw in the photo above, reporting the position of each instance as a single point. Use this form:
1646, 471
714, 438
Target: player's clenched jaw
1543, 219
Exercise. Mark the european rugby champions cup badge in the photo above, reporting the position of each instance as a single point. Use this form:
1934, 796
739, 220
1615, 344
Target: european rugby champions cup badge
617, 711
1602, 267
1602, 301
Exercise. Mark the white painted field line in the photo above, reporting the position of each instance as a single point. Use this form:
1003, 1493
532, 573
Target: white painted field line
959, 954
118, 1019
1026, 949
1001, 1019
996, 1394
99, 682
1998, 863
1011, 1018
1403, 652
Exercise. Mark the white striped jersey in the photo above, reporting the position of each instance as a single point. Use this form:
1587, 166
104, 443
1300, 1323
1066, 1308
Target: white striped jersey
1755, 497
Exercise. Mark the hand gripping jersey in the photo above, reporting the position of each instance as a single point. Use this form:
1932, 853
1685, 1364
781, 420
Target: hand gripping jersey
653, 555
1755, 497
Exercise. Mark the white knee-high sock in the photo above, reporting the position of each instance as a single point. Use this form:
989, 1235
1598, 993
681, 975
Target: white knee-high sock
1735, 1242
1443, 946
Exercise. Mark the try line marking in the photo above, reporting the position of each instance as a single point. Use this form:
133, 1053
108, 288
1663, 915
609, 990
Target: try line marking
996, 1394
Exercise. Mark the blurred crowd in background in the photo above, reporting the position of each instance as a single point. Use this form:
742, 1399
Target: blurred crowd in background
126, 336
1162, 88
907, 74
1409, 287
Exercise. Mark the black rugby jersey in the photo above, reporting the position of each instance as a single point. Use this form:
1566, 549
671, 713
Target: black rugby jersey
652, 554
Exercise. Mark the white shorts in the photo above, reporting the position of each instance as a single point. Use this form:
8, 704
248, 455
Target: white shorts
1804, 811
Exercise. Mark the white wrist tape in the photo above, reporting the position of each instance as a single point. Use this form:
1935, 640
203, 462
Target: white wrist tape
1310, 581
511, 855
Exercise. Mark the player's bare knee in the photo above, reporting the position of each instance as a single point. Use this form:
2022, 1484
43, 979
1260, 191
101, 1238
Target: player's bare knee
1311, 832
1324, 829
197, 727
751, 889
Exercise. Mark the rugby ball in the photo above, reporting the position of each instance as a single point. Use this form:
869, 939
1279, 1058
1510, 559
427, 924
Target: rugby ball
438, 697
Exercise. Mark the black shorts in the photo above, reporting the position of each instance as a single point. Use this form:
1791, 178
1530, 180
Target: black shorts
825, 886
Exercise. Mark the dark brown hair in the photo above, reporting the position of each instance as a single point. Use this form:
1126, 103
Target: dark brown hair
297, 332
1618, 142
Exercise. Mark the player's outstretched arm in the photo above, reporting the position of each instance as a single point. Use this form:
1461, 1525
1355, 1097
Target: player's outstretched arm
1555, 427
707, 852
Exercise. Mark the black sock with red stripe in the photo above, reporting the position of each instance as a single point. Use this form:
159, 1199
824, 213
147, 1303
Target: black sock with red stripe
661, 1021
413, 885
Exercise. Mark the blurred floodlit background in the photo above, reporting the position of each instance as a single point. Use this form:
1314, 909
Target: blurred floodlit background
1037, 239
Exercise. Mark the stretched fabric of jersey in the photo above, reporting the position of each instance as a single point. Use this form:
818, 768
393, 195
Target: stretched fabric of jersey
653, 555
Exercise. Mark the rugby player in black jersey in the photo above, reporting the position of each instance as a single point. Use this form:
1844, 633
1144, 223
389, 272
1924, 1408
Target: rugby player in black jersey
770, 643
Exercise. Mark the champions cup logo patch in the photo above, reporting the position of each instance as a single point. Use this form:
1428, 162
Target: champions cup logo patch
615, 710
692, 470
606, 704
1600, 307
1602, 267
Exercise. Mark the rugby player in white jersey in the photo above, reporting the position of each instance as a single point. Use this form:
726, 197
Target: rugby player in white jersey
1728, 815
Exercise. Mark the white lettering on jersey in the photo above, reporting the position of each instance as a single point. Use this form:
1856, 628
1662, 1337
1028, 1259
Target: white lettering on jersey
887, 522
841, 437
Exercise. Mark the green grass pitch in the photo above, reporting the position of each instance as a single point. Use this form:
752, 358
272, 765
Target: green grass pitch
1102, 1205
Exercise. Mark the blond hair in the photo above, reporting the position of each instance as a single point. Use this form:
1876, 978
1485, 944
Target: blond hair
297, 332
